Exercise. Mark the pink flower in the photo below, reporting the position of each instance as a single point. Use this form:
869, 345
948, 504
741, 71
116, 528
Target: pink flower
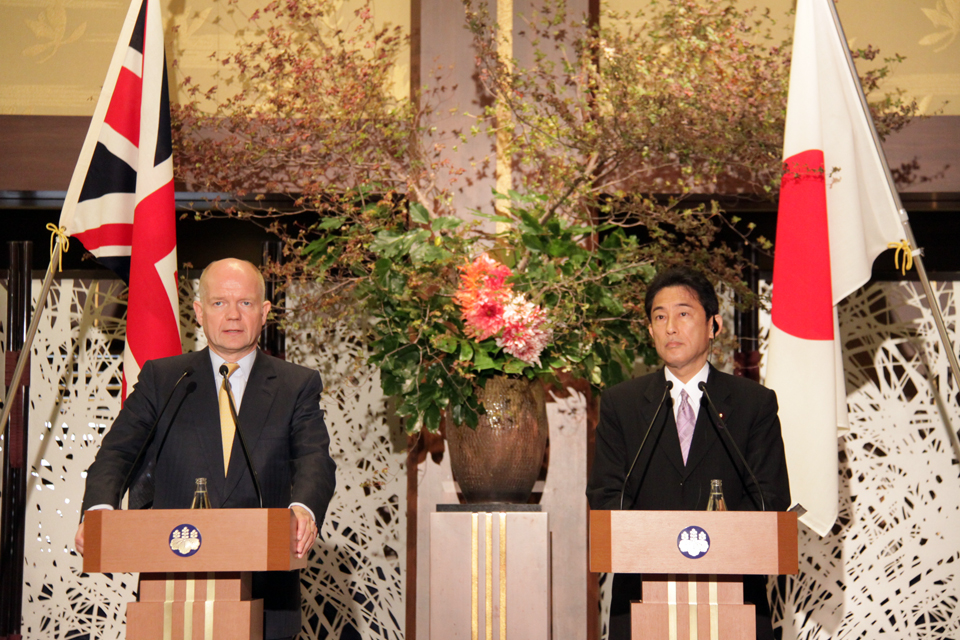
484, 319
482, 294
491, 308
524, 333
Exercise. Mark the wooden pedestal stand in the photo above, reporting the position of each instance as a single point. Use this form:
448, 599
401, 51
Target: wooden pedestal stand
693, 597
201, 596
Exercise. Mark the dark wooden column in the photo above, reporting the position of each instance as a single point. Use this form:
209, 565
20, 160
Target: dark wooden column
15, 444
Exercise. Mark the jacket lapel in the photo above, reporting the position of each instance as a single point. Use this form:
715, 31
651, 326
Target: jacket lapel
257, 399
202, 417
706, 435
669, 441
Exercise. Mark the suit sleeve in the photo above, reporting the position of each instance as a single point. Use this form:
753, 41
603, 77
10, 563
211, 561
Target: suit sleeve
313, 473
766, 457
609, 464
123, 441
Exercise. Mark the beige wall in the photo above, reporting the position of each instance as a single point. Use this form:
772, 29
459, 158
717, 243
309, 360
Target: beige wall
55, 52
922, 30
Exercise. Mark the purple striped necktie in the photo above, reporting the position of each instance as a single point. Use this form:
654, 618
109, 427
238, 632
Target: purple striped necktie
686, 422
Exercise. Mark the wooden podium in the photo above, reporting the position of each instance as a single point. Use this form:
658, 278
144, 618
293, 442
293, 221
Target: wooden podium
696, 592
195, 566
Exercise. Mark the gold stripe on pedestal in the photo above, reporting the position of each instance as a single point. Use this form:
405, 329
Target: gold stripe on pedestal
671, 607
474, 576
168, 607
692, 591
188, 607
208, 606
488, 591
714, 609
503, 576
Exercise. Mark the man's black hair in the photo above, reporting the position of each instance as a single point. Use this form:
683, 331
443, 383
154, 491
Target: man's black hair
692, 279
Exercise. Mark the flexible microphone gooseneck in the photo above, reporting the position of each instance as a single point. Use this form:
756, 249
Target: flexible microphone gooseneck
225, 372
723, 429
666, 392
146, 443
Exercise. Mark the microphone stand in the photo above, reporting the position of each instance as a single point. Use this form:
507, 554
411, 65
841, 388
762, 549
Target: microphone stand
723, 429
146, 443
666, 392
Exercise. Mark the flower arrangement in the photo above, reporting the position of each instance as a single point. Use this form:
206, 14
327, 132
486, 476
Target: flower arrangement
453, 306
492, 309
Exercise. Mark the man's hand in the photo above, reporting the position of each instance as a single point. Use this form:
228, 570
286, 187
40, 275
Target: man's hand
78, 539
306, 530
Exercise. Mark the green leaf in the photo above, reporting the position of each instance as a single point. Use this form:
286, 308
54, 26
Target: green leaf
466, 351
390, 244
381, 267
446, 343
331, 223
531, 222
456, 415
391, 385
514, 366
532, 242
431, 418
444, 223
482, 360
427, 252
419, 213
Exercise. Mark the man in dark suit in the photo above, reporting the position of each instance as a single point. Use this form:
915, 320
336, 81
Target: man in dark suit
677, 463
279, 414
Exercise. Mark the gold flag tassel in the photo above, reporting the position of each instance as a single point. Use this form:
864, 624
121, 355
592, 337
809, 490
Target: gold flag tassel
55, 233
903, 246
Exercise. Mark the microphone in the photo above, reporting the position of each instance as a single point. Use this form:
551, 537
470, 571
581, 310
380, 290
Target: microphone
666, 392
146, 443
723, 429
225, 372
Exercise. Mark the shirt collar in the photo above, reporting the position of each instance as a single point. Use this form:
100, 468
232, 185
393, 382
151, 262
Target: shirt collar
692, 386
246, 363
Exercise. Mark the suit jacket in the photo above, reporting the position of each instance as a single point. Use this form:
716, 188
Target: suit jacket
661, 481
284, 429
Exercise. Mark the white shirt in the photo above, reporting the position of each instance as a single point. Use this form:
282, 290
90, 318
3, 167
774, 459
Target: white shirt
692, 388
238, 380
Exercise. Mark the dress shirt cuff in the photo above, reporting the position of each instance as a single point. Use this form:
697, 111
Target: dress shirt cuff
308, 510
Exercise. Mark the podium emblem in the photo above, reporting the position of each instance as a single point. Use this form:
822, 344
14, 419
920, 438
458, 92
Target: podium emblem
693, 542
185, 540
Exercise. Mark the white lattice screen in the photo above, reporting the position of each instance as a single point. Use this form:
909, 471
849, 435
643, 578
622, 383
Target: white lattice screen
889, 569
353, 585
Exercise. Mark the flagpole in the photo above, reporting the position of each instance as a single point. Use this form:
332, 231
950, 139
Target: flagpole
915, 252
14, 383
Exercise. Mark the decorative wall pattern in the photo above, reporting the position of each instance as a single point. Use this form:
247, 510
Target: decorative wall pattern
890, 566
353, 585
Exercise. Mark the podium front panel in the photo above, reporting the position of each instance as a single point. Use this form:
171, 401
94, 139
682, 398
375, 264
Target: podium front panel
715, 542
229, 620
190, 540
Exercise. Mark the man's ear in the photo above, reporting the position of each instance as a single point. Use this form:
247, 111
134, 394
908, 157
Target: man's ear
198, 311
717, 325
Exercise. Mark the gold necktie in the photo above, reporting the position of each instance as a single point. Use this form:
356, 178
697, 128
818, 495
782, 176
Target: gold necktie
228, 427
